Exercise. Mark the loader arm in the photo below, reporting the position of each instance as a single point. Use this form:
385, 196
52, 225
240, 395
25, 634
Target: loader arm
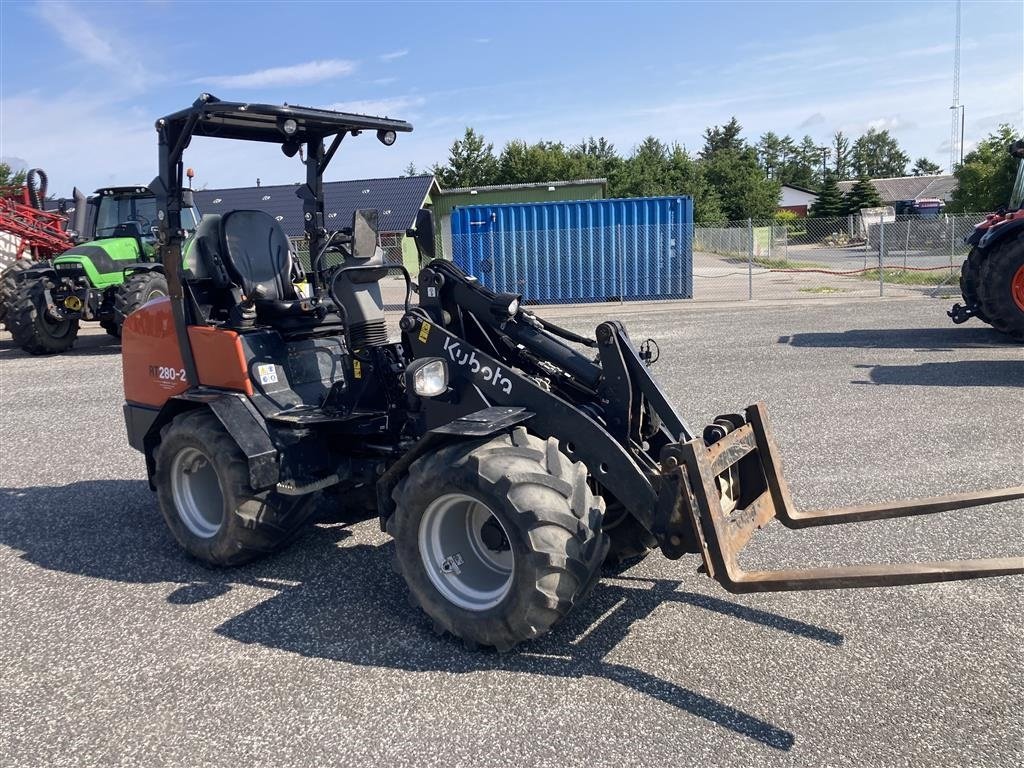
703, 494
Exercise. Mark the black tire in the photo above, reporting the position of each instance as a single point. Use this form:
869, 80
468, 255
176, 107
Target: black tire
111, 327
999, 275
31, 329
8, 287
630, 541
969, 277
252, 524
551, 519
136, 291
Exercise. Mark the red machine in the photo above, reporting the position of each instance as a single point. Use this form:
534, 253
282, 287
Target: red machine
42, 233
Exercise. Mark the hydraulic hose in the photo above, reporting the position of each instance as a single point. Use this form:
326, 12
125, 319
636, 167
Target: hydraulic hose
37, 183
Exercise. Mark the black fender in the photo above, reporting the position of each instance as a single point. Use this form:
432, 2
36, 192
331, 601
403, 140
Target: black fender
984, 239
1000, 232
486, 422
142, 266
234, 411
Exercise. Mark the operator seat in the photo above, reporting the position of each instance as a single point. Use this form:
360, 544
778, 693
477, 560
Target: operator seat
246, 253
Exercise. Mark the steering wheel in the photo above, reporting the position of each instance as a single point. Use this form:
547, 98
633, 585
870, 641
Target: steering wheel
141, 220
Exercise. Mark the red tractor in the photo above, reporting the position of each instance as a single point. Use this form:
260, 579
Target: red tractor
992, 276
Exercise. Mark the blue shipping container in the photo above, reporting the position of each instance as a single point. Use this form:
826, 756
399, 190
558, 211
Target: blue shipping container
579, 251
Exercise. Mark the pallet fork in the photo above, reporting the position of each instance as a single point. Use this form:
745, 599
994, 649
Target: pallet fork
721, 534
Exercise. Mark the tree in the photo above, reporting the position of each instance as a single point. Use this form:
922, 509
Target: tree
925, 167
862, 195
722, 138
471, 162
985, 179
9, 178
410, 170
687, 177
522, 163
840, 155
877, 155
769, 154
830, 201
646, 172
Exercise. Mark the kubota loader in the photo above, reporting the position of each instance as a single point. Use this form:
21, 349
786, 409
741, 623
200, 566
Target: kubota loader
508, 457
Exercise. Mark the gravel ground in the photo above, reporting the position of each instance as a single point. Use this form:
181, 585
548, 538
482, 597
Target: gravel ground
117, 650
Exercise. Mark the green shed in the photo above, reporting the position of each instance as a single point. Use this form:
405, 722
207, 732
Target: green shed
447, 200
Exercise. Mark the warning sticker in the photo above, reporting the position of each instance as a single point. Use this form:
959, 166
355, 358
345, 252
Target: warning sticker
424, 332
267, 373
357, 369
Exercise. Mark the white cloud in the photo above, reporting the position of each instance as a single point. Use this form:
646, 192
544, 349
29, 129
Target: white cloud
378, 107
394, 55
104, 48
296, 74
482, 40
383, 81
890, 123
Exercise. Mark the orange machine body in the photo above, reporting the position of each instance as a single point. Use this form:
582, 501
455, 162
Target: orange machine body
151, 359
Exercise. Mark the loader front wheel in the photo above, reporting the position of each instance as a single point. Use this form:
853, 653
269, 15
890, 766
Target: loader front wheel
630, 541
497, 540
202, 485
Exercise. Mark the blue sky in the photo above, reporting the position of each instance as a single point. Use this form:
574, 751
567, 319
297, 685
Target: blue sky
82, 82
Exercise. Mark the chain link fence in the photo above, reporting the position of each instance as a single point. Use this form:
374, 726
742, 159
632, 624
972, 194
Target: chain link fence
876, 253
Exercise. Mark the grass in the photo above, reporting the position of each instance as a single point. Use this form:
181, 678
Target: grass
908, 277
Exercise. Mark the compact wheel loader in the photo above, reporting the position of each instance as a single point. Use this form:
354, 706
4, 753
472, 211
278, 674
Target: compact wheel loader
506, 456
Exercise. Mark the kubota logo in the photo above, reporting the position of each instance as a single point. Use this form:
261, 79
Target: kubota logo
492, 376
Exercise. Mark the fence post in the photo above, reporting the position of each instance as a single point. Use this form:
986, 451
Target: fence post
750, 260
881, 251
952, 239
622, 264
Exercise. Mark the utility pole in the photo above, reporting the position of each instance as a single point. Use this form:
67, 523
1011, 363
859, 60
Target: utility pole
824, 157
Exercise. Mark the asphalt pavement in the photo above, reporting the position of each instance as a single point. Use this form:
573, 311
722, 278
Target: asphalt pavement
117, 650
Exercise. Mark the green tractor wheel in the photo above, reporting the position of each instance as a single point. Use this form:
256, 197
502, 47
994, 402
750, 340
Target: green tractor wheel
9, 286
136, 291
32, 329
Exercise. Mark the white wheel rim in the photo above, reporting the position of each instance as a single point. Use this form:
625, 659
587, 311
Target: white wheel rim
196, 491
457, 538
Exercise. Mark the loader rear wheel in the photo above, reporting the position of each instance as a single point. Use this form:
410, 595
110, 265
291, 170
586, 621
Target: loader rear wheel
498, 539
1001, 287
202, 484
32, 328
136, 291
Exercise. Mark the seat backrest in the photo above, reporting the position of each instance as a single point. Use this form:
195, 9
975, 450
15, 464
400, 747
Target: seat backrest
256, 252
202, 260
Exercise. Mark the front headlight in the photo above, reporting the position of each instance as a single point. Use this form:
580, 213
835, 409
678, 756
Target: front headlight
430, 378
513, 307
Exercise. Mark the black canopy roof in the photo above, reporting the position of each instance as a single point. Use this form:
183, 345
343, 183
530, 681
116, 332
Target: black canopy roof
264, 122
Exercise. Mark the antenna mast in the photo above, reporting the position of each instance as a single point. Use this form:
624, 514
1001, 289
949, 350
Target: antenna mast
955, 135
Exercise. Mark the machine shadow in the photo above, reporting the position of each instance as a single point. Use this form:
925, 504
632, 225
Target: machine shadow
958, 373
85, 346
346, 604
948, 338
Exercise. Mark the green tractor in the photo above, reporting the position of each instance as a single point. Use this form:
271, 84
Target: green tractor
103, 280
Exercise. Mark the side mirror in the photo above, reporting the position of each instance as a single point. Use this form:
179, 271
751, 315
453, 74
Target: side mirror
1017, 149
423, 233
188, 200
365, 228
